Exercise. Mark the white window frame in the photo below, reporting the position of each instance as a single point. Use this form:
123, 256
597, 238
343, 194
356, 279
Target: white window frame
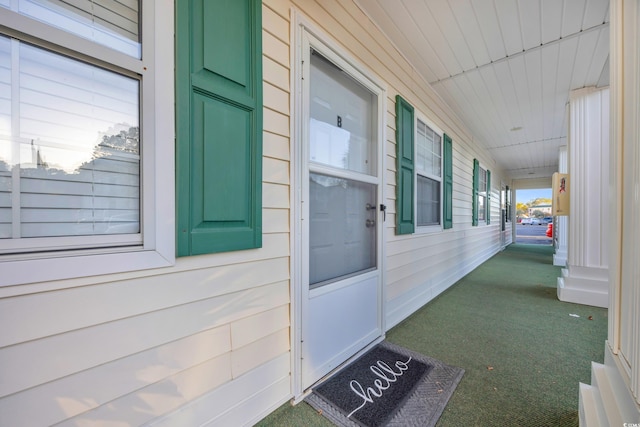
155, 71
421, 229
483, 192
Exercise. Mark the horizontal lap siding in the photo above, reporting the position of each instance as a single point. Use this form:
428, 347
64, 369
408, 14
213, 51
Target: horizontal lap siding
137, 347
442, 262
207, 341
172, 324
419, 266
101, 197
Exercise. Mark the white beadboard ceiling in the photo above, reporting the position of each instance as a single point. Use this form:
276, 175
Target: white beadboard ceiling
506, 67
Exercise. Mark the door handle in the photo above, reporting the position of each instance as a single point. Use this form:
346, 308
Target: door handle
370, 223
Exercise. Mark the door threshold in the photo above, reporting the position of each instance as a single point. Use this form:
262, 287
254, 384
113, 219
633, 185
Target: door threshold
308, 391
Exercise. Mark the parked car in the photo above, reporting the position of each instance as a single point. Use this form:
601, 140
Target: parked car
550, 230
547, 219
530, 221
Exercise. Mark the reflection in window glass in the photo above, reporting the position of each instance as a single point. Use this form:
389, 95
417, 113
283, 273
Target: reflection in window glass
482, 194
342, 124
71, 165
428, 175
428, 150
5, 138
342, 231
428, 201
481, 208
111, 23
5, 86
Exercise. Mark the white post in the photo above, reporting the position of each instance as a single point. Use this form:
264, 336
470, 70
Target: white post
586, 278
562, 222
623, 349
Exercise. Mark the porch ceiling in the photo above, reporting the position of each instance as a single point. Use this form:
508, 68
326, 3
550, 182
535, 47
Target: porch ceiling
506, 67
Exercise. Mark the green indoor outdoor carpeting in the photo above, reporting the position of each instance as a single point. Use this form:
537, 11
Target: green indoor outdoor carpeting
523, 351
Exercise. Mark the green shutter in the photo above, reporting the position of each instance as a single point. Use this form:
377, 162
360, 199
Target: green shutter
488, 215
404, 167
218, 125
474, 192
447, 209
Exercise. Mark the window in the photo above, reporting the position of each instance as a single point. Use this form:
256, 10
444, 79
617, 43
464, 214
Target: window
508, 203
424, 173
342, 190
481, 194
83, 130
428, 168
104, 22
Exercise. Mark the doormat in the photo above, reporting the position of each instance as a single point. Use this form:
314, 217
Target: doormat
387, 386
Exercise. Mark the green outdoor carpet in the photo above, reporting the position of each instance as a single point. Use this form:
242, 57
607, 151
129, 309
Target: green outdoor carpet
523, 351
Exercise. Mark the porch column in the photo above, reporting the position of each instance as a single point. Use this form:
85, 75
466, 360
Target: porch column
561, 231
585, 280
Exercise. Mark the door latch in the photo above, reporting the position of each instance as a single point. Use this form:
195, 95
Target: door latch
383, 209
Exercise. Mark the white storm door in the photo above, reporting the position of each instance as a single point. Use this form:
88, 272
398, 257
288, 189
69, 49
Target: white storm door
341, 220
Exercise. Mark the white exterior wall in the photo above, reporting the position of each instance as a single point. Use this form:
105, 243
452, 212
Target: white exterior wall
208, 340
129, 348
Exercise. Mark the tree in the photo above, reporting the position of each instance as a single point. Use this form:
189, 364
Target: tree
122, 137
539, 201
538, 214
522, 209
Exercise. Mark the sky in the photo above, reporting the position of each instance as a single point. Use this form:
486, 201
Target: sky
525, 196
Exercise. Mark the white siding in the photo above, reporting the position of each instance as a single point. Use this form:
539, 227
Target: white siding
208, 340
131, 348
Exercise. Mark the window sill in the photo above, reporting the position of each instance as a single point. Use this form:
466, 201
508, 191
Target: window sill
24, 272
429, 229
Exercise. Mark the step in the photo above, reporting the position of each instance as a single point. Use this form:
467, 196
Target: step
610, 407
588, 414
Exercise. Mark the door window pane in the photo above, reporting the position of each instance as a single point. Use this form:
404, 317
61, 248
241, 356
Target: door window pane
69, 147
342, 119
342, 228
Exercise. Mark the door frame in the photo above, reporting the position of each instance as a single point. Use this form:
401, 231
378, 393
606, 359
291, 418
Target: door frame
301, 25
